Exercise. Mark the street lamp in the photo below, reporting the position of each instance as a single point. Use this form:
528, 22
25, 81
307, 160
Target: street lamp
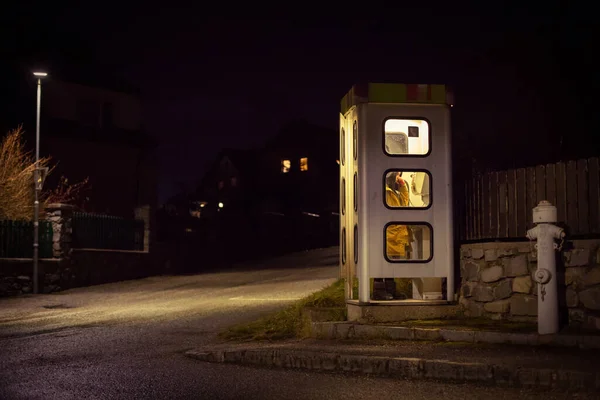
37, 183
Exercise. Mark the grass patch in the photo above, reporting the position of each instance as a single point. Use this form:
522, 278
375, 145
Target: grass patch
291, 322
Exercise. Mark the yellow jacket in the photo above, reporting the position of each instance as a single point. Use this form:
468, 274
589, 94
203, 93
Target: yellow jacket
397, 236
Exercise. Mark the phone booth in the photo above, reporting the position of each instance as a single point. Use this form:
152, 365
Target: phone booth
396, 228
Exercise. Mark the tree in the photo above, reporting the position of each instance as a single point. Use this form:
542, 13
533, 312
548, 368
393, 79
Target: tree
17, 167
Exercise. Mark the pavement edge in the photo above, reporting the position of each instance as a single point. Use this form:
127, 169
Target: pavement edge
409, 368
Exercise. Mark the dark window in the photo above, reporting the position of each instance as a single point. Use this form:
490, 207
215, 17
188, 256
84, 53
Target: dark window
355, 192
343, 196
344, 246
355, 140
356, 243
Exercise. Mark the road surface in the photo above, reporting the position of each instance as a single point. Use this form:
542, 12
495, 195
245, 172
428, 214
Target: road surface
126, 341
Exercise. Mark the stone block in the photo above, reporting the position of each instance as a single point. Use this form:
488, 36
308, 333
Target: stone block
503, 290
464, 303
467, 289
592, 277
590, 298
508, 252
490, 255
577, 257
483, 293
521, 304
465, 252
471, 271
492, 274
399, 333
571, 297
516, 266
576, 315
572, 275
451, 335
593, 322
477, 253
524, 247
475, 309
499, 306
522, 284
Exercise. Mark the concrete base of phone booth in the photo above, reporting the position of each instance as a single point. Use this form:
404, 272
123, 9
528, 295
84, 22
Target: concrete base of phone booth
401, 310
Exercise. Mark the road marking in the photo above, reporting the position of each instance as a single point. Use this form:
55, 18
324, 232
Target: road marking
271, 299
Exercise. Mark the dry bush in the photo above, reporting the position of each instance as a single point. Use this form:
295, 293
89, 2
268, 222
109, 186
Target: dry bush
17, 167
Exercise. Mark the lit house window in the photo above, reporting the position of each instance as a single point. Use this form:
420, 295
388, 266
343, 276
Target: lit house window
285, 166
304, 164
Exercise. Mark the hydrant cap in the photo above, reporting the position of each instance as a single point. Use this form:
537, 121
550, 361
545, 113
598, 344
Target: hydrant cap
545, 212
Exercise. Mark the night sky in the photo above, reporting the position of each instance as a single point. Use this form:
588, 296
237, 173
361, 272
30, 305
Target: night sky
212, 80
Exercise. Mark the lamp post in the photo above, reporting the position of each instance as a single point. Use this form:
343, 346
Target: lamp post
37, 183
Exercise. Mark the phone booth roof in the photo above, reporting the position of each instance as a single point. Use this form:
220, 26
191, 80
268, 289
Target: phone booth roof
395, 93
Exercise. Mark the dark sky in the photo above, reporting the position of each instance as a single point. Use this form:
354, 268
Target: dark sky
212, 80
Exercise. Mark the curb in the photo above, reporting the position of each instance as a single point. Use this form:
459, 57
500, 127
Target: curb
345, 330
411, 368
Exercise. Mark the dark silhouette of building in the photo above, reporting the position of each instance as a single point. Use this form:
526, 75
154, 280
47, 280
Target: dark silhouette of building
92, 128
251, 203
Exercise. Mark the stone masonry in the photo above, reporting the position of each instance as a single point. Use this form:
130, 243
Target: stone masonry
497, 283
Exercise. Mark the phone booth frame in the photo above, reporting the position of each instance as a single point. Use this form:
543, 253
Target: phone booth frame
365, 161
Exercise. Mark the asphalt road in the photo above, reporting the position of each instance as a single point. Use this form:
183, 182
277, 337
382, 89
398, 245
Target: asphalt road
126, 341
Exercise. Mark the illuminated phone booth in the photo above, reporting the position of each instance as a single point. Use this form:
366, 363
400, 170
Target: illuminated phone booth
396, 193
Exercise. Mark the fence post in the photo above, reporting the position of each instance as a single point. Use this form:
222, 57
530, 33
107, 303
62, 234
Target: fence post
143, 213
60, 216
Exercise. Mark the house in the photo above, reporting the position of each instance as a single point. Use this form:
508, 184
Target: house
303, 165
280, 196
97, 133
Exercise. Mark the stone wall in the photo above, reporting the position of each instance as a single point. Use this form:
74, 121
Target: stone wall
72, 268
496, 282
82, 268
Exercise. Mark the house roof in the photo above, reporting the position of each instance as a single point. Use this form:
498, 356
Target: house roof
245, 162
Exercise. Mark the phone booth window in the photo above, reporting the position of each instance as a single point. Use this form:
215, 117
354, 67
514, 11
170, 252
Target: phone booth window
407, 189
408, 242
344, 246
355, 139
355, 244
355, 192
406, 137
343, 147
343, 196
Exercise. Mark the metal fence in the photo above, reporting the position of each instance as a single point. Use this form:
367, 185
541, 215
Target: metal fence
16, 239
499, 204
93, 231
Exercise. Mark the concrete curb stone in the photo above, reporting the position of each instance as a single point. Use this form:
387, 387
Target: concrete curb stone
404, 367
345, 330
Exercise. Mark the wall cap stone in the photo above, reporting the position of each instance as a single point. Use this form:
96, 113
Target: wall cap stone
60, 206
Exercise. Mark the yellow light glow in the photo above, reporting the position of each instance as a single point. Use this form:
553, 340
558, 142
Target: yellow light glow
304, 164
221, 205
285, 166
40, 74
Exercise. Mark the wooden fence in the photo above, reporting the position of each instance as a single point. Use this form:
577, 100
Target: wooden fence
499, 204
